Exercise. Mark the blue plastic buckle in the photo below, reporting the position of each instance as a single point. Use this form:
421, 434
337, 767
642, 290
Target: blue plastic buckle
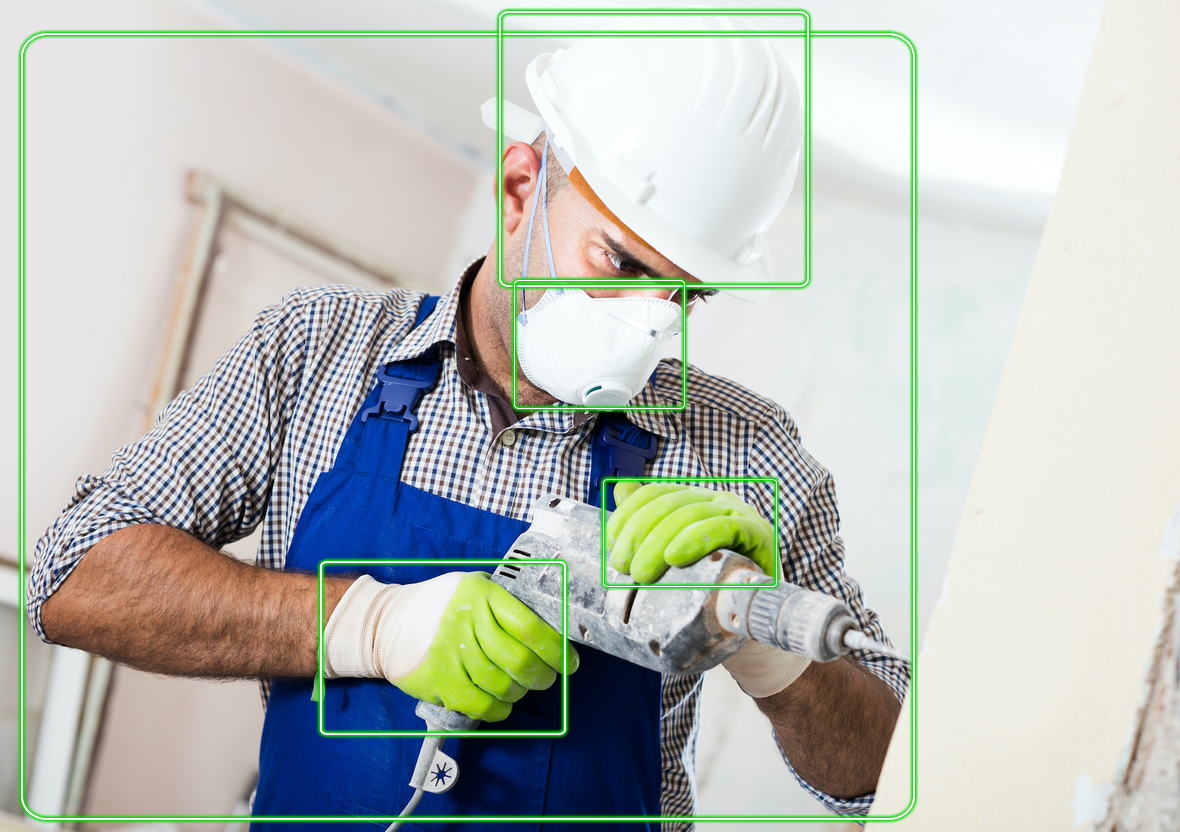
620, 449
400, 395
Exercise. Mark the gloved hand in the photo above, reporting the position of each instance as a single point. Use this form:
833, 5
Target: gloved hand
458, 640
663, 524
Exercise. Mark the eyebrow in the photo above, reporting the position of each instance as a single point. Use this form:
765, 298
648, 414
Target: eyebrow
623, 253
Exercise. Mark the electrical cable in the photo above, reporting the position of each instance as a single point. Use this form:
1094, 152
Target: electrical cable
410, 807
544, 186
542, 190
430, 745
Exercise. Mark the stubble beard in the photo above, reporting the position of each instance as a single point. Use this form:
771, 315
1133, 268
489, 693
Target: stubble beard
499, 301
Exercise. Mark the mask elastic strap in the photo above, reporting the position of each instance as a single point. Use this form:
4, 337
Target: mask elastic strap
545, 207
543, 186
528, 241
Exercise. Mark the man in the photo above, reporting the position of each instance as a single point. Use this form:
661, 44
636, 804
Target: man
670, 159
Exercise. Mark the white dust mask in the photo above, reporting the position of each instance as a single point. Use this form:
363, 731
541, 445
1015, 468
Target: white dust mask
594, 351
583, 350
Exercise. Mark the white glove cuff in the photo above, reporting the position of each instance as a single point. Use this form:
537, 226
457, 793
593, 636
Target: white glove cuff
761, 670
351, 631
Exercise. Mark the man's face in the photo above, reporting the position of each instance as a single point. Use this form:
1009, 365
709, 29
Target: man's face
585, 243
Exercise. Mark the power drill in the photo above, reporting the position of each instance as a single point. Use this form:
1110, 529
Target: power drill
674, 632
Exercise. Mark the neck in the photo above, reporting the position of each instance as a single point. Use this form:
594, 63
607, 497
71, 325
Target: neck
487, 319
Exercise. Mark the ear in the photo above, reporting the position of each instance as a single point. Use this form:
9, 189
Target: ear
522, 170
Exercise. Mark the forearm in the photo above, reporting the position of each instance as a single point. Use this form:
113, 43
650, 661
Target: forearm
158, 599
834, 722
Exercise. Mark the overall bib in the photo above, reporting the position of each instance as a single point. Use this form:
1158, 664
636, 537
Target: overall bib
609, 761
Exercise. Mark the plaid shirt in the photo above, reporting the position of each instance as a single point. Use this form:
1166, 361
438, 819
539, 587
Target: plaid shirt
243, 447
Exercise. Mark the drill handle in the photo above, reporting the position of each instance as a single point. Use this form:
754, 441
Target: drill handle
439, 718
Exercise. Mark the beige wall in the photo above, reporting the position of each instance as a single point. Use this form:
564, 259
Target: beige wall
113, 127
1034, 668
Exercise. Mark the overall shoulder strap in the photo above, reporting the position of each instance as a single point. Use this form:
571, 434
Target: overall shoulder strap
424, 309
619, 449
403, 383
376, 439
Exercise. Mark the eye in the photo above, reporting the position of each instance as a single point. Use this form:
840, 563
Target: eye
623, 266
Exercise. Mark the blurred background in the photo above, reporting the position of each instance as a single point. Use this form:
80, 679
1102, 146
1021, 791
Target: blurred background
286, 162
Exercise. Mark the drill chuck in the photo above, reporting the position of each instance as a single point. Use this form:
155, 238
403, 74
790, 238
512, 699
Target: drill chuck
808, 623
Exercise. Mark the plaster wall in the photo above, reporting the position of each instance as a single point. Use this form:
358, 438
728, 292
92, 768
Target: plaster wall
113, 127
1035, 668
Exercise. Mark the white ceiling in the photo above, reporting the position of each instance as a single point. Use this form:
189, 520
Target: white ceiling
998, 84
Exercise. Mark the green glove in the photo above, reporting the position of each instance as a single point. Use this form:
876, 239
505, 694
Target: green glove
458, 640
663, 524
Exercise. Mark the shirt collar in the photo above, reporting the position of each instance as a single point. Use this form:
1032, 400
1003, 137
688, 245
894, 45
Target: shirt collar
437, 328
441, 326
662, 423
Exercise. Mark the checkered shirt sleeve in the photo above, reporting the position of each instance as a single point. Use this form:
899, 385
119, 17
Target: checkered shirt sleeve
222, 457
728, 431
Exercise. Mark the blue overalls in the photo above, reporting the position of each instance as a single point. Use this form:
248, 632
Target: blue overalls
607, 764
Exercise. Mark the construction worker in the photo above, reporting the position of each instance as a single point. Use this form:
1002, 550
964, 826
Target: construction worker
363, 426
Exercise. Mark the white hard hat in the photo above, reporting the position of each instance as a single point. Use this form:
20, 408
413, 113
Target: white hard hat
691, 143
